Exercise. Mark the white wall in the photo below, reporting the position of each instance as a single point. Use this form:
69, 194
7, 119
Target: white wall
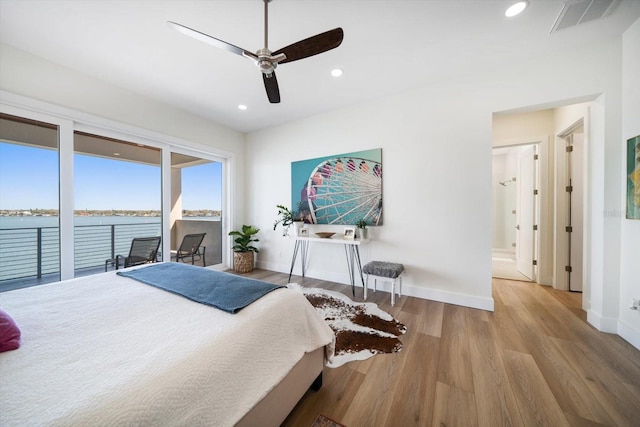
629, 320
429, 206
436, 144
24, 74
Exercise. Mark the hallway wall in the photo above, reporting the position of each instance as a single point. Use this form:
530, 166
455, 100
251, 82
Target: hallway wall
629, 321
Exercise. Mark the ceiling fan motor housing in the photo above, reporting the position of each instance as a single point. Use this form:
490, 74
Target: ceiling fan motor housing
265, 64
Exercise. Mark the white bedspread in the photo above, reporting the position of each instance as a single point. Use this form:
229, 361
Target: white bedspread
107, 350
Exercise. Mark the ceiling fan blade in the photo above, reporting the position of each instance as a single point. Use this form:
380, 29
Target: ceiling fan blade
212, 40
312, 46
271, 85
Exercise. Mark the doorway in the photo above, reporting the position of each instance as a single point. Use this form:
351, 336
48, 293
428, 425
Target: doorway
197, 204
564, 134
515, 208
570, 152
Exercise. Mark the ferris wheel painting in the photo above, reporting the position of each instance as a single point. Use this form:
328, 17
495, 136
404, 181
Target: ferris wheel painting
340, 189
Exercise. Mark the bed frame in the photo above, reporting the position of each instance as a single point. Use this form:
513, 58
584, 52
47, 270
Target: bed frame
274, 408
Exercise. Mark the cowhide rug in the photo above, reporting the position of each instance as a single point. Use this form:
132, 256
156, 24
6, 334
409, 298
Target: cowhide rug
362, 329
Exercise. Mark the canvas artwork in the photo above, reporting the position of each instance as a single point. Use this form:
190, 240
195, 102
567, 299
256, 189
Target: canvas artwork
633, 178
340, 189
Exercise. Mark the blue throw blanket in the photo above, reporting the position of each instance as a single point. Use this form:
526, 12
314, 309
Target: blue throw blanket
215, 288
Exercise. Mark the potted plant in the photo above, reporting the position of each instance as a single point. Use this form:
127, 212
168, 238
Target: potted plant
362, 228
286, 217
243, 250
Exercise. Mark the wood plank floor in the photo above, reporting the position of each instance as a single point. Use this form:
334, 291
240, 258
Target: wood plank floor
532, 362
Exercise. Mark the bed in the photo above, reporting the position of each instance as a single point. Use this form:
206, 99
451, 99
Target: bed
110, 350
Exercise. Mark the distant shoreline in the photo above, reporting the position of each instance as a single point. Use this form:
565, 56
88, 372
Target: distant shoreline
89, 213
49, 221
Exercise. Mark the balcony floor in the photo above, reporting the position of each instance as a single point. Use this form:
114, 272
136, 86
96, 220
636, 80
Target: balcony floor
26, 282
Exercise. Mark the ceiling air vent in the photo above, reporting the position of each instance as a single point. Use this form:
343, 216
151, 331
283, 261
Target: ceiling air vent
576, 12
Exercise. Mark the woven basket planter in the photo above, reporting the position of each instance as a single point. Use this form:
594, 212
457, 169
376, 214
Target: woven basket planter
243, 262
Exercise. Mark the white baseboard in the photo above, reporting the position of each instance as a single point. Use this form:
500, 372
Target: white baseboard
463, 300
413, 291
629, 334
310, 273
603, 324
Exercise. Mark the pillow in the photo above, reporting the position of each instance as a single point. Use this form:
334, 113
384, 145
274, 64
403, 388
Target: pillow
9, 333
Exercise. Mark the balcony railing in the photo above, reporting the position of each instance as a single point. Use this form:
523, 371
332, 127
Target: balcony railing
35, 252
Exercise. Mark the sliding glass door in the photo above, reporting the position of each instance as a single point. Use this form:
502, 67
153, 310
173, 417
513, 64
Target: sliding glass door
29, 202
196, 204
73, 196
117, 193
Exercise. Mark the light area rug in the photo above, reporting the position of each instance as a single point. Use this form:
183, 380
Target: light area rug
362, 329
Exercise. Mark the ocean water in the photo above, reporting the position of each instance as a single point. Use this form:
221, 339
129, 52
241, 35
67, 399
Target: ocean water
12, 222
52, 221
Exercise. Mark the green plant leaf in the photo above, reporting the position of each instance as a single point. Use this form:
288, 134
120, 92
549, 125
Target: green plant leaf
244, 239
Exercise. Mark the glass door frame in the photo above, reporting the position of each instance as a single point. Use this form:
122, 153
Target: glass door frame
69, 121
65, 180
226, 202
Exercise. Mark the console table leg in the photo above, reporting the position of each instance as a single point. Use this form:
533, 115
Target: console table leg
303, 256
303, 248
293, 258
350, 253
357, 251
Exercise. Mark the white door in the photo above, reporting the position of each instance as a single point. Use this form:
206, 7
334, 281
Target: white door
525, 212
575, 245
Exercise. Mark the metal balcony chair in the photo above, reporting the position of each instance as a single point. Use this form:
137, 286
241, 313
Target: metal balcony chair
143, 250
190, 248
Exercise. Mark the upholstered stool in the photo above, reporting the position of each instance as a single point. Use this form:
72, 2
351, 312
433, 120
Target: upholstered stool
385, 271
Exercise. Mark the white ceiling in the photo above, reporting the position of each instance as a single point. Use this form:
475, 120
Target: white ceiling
389, 47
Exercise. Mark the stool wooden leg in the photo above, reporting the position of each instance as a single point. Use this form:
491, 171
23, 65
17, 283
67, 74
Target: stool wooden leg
366, 285
393, 292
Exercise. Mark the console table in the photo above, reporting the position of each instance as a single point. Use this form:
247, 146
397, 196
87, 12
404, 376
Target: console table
351, 250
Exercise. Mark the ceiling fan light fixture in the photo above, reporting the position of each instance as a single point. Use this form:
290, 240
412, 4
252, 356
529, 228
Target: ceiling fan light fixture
516, 8
336, 72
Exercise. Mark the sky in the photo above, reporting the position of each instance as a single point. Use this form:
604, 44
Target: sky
29, 180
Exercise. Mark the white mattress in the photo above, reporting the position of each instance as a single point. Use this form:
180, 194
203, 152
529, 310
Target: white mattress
108, 350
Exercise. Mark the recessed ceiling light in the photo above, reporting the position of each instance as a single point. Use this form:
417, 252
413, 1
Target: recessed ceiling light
242, 107
116, 154
516, 8
336, 72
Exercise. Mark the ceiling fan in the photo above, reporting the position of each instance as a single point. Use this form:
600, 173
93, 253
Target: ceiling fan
266, 60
